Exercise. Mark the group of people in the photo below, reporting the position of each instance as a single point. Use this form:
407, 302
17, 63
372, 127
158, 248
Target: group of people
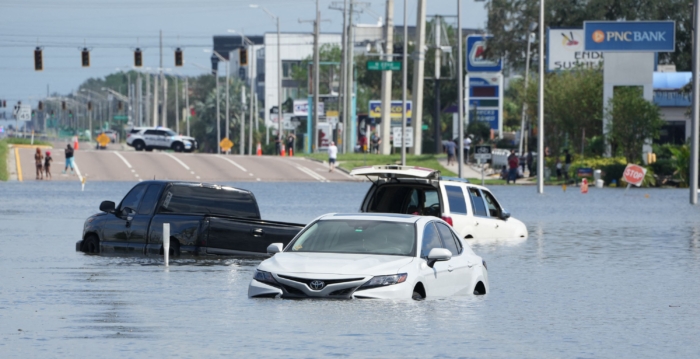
290, 140
450, 147
43, 162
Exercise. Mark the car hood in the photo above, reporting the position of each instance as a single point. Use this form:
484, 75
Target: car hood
334, 263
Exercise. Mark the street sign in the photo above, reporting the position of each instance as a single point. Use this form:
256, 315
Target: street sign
482, 152
103, 140
476, 56
375, 111
120, 118
226, 144
630, 36
634, 174
24, 113
396, 132
384, 65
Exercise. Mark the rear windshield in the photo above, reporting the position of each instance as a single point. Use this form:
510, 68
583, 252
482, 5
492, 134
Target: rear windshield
357, 236
405, 199
225, 201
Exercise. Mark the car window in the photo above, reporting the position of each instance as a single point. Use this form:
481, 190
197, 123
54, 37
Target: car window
135, 130
447, 239
226, 201
170, 133
388, 199
455, 198
133, 198
431, 239
494, 208
150, 198
459, 243
151, 132
477, 201
413, 202
161, 133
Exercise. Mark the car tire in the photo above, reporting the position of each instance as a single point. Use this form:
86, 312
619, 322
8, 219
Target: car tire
417, 296
139, 145
178, 147
91, 244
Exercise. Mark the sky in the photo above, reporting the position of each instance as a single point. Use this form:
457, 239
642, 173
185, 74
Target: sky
111, 29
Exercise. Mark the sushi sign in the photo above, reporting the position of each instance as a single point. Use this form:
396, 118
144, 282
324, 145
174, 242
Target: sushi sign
566, 51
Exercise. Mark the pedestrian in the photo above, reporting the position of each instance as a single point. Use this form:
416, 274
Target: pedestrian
278, 146
559, 166
290, 143
375, 140
332, 154
69, 159
529, 160
450, 148
47, 164
512, 167
567, 164
467, 145
39, 162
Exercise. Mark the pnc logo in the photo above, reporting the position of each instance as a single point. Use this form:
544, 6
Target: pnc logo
598, 36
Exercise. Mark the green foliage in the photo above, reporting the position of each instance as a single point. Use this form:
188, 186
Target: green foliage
681, 154
595, 146
613, 172
480, 130
632, 120
4, 151
25, 141
664, 167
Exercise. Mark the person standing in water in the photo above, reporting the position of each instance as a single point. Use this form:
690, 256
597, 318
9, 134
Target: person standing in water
47, 164
69, 159
39, 162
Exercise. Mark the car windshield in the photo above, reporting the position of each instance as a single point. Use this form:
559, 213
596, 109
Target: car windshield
357, 236
170, 133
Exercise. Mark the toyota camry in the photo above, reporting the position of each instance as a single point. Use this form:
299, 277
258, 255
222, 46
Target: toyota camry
376, 255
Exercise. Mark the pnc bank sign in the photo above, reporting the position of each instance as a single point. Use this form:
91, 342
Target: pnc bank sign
630, 36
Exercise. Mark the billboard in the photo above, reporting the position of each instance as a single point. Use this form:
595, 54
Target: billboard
301, 108
475, 57
630, 36
375, 111
565, 51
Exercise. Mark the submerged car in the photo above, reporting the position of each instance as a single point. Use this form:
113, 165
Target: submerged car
390, 256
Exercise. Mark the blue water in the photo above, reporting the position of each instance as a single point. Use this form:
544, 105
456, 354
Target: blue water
607, 274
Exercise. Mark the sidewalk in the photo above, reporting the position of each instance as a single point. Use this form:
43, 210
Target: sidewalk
473, 170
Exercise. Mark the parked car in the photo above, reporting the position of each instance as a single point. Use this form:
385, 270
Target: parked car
150, 138
472, 210
204, 219
384, 256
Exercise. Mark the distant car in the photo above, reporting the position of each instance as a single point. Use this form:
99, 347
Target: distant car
383, 256
150, 138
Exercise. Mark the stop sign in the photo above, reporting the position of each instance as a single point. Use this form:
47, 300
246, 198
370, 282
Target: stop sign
634, 174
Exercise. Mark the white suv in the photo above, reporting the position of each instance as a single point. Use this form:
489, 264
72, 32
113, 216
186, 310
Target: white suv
149, 138
472, 210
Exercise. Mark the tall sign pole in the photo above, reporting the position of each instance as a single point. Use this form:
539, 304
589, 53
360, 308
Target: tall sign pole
317, 65
405, 80
418, 74
540, 109
386, 78
460, 91
694, 135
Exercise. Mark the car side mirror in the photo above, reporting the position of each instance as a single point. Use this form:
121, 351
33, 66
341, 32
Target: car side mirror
274, 248
505, 215
107, 206
438, 255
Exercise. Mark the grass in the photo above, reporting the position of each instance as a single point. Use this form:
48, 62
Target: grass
4, 151
25, 141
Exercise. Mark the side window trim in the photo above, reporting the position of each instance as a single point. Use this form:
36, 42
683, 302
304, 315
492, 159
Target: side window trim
498, 205
483, 201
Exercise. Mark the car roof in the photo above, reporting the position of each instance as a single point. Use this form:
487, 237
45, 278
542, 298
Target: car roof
386, 217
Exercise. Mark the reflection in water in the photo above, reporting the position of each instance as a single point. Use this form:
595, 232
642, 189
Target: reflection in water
597, 271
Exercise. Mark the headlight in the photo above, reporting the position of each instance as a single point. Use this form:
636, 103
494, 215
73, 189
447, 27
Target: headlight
265, 277
384, 280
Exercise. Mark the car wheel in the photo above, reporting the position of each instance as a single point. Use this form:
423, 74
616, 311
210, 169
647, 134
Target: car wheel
139, 145
178, 146
91, 244
417, 295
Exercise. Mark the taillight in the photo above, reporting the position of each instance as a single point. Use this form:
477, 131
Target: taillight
448, 220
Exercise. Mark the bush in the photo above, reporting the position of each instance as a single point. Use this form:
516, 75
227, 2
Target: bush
613, 172
664, 167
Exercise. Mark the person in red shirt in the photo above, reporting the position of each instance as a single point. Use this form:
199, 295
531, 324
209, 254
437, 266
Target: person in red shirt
513, 163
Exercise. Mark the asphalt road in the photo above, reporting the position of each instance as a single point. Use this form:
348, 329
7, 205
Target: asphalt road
112, 165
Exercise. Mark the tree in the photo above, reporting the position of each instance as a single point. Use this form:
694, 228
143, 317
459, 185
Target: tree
632, 121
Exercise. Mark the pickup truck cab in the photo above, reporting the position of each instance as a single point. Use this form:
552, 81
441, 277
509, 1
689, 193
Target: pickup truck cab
204, 219
473, 211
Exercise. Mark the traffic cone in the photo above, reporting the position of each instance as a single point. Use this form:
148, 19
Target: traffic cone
259, 150
283, 152
291, 152
584, 186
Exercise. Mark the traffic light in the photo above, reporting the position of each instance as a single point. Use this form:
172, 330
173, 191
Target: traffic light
63, 105
33, 113
89, 105
243, 56
40, 106
85, 57
178, 57
120, 106
138, 58
38, 60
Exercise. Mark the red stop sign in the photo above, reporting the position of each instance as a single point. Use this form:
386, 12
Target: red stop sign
634, 174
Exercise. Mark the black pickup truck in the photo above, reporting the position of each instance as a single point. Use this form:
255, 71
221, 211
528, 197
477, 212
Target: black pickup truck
204, 219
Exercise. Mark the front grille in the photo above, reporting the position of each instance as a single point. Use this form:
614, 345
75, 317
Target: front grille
342, 292
327, 281
293, 291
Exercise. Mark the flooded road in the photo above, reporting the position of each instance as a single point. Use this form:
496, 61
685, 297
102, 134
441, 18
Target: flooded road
606, 274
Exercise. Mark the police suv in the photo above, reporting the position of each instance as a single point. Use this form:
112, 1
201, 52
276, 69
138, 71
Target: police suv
149, 138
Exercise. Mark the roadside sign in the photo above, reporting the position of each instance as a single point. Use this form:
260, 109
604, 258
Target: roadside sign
120, 118
482, 152
226, 144
24, 113
384, 65
375, 111
396, 133
103, 140
634, 174
585, 172
631, 36
476, 58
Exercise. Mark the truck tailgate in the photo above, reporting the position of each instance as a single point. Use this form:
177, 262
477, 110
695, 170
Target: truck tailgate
241, 236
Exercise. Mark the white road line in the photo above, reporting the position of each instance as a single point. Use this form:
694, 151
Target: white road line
176, 159
312, 174
233, 163
123, 159
77, 171
336, 171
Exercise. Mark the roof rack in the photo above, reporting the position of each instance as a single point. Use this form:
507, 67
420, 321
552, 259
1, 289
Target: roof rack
454, 179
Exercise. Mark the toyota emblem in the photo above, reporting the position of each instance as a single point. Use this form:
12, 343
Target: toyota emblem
317, 285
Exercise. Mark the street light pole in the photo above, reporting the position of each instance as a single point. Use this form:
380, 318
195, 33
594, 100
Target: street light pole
228, 98
405, 77
540, 110
460, 92
279, 85
218, 112
695, 121
523, 123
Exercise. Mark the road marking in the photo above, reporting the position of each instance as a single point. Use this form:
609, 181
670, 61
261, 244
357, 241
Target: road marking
176, 159
233, 163
312, 173
77, 170
19, 165
123, 159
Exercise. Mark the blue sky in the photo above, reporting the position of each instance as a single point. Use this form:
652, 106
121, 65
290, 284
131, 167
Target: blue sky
113, 28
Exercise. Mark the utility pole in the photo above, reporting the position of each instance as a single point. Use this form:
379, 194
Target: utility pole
241, 142
540, 109
349, 77
317, 71
147, 102
342, 91
187, 104
523, 123
162, 79
418, 78
228, 106
386, 78
156, 90
460, 92
164, 110
139, 100
437, 122
177, 108
404, 82
218, 112
695, 122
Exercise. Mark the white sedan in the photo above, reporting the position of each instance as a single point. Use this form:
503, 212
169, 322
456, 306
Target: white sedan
391, 256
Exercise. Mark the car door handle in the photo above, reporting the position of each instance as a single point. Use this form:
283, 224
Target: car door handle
470, 264
258, 232
496, 225
450, 269
476, 223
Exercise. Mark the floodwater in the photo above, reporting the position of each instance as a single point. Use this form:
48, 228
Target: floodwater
604, 275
